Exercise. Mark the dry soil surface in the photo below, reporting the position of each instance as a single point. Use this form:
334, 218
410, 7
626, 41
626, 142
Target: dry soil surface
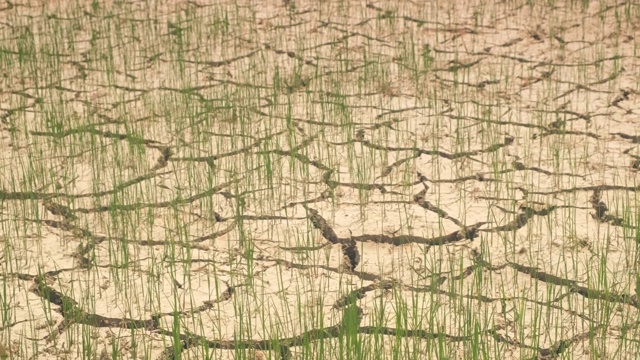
319, 179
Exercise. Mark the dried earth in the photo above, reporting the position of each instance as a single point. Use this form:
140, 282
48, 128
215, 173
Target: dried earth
319, 180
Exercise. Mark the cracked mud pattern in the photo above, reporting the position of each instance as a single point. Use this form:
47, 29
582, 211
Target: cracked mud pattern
306, 180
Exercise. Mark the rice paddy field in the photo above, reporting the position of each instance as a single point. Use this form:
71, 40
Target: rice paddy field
319, 179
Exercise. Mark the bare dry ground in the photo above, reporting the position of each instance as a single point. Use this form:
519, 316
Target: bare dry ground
319, 180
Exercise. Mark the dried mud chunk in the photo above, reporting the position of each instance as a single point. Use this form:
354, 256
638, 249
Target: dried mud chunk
351, 255
624, 95
518, 165
601, 210
321, 224
598, 205
163, 159
57, 209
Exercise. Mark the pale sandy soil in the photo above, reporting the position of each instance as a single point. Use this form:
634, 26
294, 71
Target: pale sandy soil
185, 178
